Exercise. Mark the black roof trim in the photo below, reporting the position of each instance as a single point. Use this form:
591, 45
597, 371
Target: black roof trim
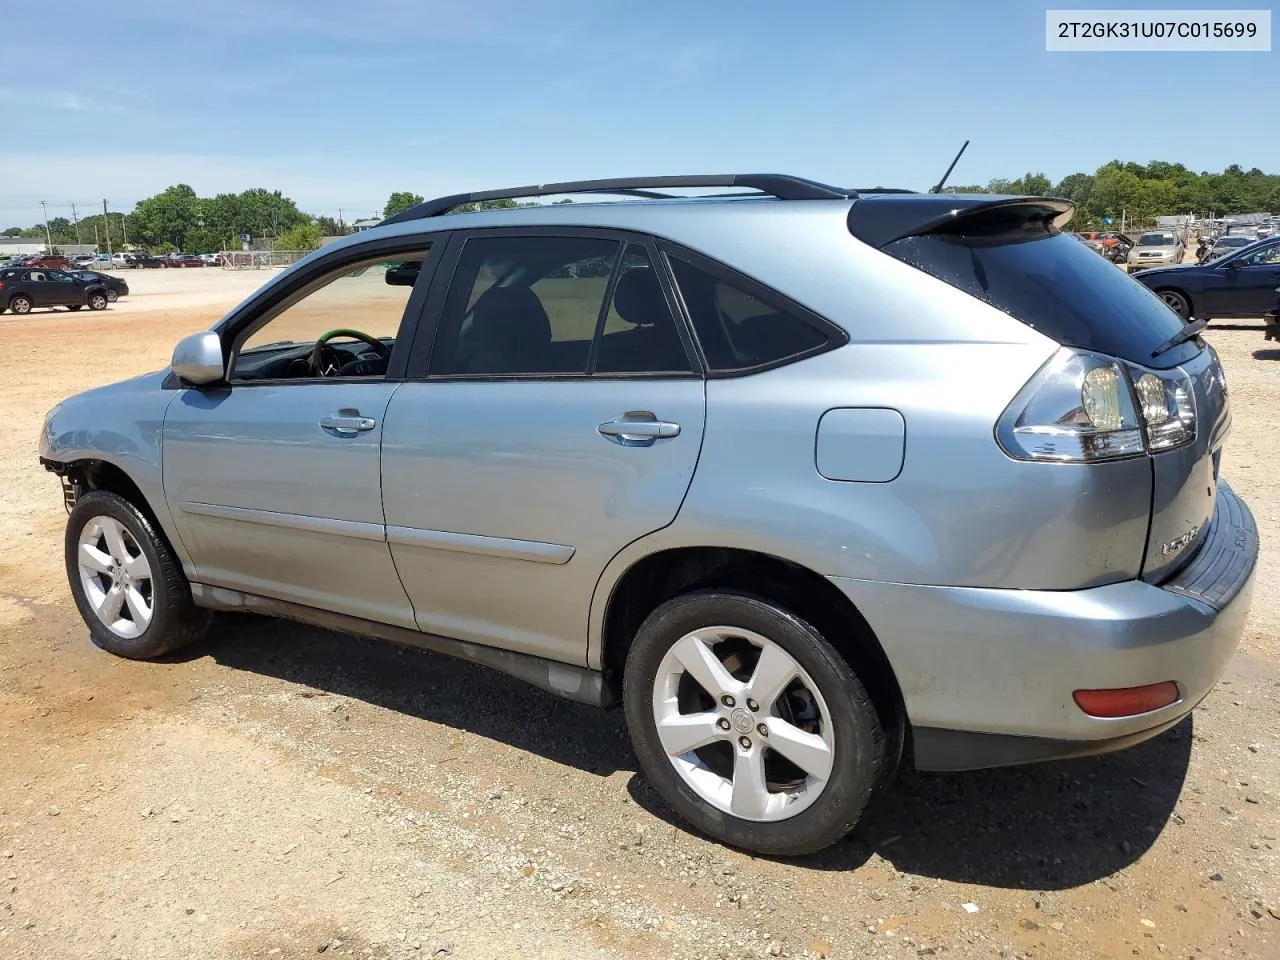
880, 220
779, 185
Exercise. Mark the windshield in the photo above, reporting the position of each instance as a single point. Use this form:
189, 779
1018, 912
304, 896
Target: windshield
1056, 286
1156, 240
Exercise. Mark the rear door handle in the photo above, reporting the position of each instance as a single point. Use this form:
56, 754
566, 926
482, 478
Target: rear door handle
347, 423
638, 428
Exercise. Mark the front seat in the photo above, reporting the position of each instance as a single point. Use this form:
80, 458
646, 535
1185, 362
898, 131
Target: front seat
510, 333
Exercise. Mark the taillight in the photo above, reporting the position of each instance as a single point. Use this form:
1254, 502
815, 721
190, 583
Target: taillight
1084, 407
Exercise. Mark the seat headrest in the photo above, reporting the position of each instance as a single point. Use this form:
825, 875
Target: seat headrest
638, 298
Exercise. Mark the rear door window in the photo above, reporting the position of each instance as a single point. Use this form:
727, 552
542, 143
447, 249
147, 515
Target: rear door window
1056, 286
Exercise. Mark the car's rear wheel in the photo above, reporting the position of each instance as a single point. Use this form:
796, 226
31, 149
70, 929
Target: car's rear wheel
112, 296
97, 301
126, 582
20, 304
1177, 302
750, 725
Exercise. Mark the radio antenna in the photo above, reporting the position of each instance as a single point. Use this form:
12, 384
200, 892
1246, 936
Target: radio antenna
938, 187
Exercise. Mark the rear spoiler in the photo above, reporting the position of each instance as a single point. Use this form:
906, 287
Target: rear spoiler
881, 219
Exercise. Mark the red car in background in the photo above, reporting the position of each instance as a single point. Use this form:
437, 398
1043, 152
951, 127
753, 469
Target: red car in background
184, 260
51, 262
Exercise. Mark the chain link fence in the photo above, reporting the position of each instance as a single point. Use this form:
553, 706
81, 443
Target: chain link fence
259, 259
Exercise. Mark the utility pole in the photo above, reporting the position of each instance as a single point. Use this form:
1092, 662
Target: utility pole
48, 240
341, 225
124, 228
76, 221
106, 226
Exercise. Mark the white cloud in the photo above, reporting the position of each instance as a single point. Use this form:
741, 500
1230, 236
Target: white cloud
319, 185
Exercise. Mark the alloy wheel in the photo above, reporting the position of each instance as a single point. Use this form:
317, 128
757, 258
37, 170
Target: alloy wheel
116, 577
743, 724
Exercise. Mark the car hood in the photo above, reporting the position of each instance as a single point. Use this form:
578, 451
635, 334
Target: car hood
1177, 268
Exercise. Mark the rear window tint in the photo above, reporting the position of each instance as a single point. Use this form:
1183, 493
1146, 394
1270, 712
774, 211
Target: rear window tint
737, 330
1057, 286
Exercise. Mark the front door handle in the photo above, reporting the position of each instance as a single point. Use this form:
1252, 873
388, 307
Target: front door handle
347, 423
638, 428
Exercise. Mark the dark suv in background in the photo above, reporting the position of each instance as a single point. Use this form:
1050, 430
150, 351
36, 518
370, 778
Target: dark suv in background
23, 289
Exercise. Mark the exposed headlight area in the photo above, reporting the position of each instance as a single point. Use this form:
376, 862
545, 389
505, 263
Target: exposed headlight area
1084, 407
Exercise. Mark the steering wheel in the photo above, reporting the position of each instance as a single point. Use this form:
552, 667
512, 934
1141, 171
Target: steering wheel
317, 352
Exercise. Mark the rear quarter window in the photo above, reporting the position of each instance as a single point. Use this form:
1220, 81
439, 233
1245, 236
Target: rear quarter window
742, 328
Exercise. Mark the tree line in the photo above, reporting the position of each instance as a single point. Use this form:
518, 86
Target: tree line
1143, 192
178, 219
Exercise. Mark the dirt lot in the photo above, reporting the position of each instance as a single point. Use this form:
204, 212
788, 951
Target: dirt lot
281, 791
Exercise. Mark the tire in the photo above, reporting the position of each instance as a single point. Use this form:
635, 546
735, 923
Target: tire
73, 307
111, 525
842, 738
1177, 301
20, 304
97, 301
112, 296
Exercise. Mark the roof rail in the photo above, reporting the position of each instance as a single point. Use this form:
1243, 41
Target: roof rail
779, 185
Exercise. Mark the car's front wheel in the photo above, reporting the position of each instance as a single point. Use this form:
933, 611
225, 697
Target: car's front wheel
1177, 302
97, 301
113, 296
20, 304
127, 584
750, 725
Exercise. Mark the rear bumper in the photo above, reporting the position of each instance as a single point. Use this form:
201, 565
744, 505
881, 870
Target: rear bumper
988, 675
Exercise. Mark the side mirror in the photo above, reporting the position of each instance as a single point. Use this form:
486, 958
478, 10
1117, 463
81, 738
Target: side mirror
198, 359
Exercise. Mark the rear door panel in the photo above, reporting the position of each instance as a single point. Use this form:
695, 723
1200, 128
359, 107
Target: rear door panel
504, 502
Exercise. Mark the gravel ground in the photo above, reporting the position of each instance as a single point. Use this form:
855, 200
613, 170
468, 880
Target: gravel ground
282, 792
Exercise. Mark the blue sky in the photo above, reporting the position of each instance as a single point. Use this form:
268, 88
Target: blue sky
339, 102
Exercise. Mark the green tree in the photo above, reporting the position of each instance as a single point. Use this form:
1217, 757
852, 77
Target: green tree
399, 202
301, 236
330, 227
12, 232
166, 218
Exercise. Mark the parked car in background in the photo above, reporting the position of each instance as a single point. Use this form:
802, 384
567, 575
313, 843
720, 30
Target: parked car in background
950, 499
116, 287
1156, 248
54, 261
1241, 284
1229, 244
84, 260
1091, 241
148, 261
183, 260
212, 259
24, 289
123, 261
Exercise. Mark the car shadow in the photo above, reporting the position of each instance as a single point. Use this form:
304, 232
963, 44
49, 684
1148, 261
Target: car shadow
1047, 826
1266, 354
421, 684
1043, 826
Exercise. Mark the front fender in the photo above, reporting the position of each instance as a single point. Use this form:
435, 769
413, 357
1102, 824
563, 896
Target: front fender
122, 425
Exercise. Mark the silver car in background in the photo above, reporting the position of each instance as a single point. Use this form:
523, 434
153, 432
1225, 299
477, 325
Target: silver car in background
1158, 248
1229, 244
812, 481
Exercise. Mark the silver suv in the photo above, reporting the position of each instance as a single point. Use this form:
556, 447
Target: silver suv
811, 481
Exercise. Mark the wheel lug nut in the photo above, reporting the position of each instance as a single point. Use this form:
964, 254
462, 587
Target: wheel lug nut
762, 730
722, 723
744, 743
752, 705
727, 700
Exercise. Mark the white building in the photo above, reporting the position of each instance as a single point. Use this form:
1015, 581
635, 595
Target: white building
19, 247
